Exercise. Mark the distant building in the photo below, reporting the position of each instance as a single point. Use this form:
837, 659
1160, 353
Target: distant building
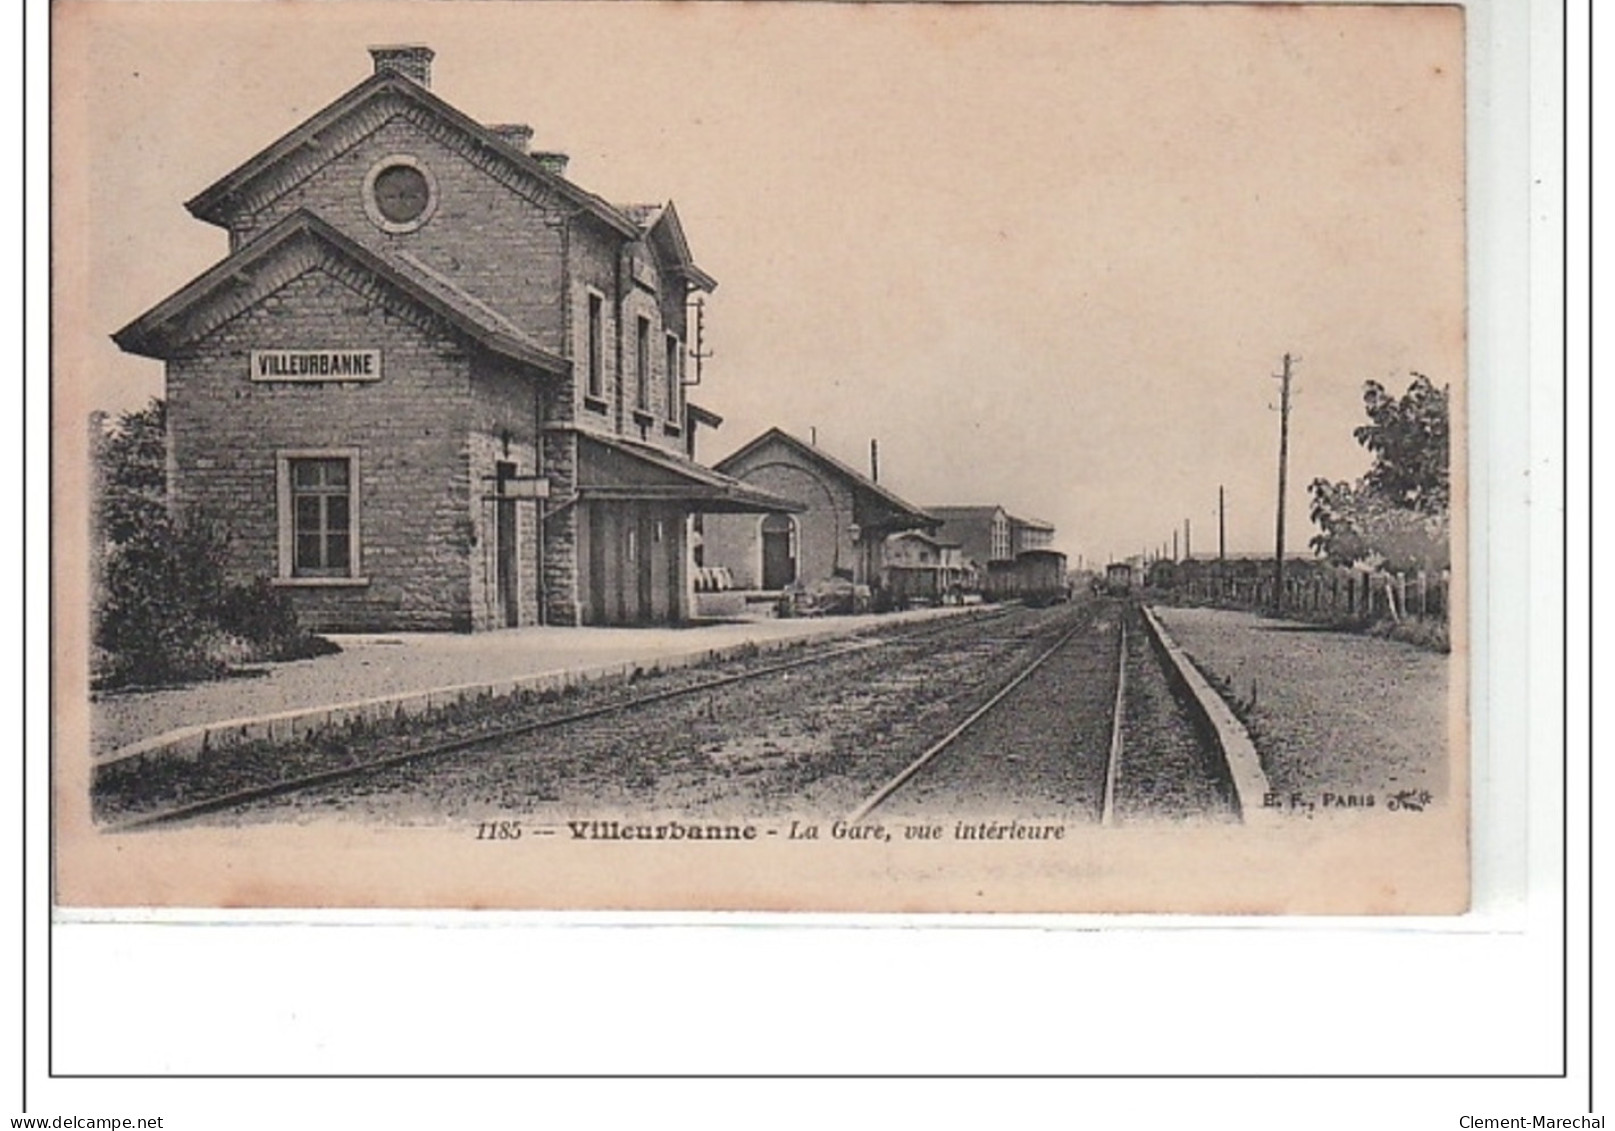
841, 530
435, 384
919, 567
989, 534
982, 533
1029, 534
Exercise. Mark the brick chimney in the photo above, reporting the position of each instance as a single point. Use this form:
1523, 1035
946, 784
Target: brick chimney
412, 60
552, 163
517, 136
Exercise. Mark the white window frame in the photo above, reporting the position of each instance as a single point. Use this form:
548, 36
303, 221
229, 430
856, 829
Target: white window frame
286, 519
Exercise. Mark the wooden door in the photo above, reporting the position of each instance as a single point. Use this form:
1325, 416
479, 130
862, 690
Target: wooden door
643, 566
779, 562
505, 561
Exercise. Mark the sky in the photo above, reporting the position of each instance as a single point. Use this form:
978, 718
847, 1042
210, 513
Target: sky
1050, 256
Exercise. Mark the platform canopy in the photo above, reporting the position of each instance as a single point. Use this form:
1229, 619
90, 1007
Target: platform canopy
617, 470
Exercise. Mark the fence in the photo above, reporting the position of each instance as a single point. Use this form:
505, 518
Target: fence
1326, 593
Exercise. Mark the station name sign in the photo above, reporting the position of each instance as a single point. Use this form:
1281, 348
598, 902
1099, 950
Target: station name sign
316, 365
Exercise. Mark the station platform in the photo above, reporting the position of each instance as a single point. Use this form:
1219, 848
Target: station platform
375, 672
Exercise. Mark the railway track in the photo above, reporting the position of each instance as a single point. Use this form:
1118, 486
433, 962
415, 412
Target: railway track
1041, 747
485, 736
1060, 714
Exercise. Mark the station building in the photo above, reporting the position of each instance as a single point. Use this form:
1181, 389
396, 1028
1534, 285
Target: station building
839, 529
435, 384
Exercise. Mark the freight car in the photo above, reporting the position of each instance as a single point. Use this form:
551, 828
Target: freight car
1035, 577
1119, 579
1162, 574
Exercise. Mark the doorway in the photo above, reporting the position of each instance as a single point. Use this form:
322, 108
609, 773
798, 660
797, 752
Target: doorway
779, 550
644, 564
504, 527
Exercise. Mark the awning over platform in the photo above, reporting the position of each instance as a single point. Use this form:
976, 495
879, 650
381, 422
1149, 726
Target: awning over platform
617, 470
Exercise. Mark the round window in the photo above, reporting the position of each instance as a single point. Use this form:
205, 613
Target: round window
399, 194
402, 194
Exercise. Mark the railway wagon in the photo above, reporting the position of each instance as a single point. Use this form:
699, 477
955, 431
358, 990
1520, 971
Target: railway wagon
1119, 579
1035, 577
1162, 575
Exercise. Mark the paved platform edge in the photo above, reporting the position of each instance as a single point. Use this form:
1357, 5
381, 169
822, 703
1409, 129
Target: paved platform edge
197, 741
1233, 740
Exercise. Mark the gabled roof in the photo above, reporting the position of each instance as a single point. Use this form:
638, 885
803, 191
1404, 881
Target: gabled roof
163, 328
1032, 523
929, 539
211, 203
953, 514
661, 226
643, 215
856, 479
616, 468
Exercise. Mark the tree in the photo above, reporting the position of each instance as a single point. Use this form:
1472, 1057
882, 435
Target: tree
131, 459
1397, 513
156, 576
1409, 439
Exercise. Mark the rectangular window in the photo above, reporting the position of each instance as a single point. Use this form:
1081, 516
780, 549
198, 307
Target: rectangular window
675, 379
596, 347
642, 360
319, 527
321, 518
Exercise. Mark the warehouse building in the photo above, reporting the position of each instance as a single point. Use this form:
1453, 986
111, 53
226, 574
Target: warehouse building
435, 384
839, 529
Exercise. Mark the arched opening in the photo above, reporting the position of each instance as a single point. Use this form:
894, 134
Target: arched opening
779, 550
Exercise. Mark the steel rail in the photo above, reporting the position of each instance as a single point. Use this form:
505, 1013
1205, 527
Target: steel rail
1107, 814
464, 742
879, 797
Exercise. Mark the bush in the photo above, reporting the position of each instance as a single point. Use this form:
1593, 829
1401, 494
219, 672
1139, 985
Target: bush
259, 614
165, 612
1432, 635
152, 622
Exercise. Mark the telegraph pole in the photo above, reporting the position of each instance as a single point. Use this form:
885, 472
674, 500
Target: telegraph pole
1222, 527
1284, 462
